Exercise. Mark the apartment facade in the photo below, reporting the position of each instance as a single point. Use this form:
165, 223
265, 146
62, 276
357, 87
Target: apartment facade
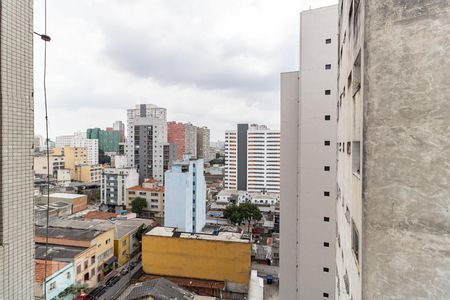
147, 134
204, 144
108, 140
16, 147
120, 127
153, 193
114, 185
73, 156
308, 165
78, 139
252, 158
184, 135
185, 196
87, 173
392, 150
57, 162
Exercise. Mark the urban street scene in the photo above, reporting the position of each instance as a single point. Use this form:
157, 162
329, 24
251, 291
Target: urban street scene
224, 149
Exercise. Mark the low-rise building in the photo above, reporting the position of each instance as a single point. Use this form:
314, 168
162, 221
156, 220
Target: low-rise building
52, 278
57, 162
87, 173
114, 184
153, 193
63, 177
258, 198
79, 202
222, 256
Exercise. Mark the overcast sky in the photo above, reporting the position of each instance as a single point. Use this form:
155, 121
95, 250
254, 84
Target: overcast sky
213, 63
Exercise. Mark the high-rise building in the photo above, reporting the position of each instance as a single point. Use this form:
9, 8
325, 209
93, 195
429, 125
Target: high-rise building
184, 135
393, 150
16, 146
170, 155
203, 143
147, 134
115, 183
108, 140
252, 159
119, 126
185, 196
79, 139
308, 162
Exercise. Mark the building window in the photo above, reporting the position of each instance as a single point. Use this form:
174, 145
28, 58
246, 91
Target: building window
326, 244
349, 149
92, 260
86, 263
328, 41
326, 168
327, 92
326, 270
326, 219
356, 162
326, 143
52, 286
326, 194
68, 275
327, 117
328, 67
355, 241
325, 295
124, 243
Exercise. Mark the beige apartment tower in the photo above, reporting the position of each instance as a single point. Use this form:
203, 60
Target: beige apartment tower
393, 140
16, 150
308, 162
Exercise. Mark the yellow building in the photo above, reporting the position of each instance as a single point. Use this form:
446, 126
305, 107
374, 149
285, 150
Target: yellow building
224, 256
72, 156
105, 251
122, 248
87, 173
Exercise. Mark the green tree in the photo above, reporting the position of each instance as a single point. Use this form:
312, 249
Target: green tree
138, 204
233, 214
250, 212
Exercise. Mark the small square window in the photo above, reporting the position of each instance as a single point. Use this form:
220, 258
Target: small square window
328, 41
327, 92
327, 117
326, 194
326, 168
326, 143
325, 295
326, 270
326, 244
326, 219
328, 67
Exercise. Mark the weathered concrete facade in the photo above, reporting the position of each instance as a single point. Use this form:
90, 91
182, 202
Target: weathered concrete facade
395, 66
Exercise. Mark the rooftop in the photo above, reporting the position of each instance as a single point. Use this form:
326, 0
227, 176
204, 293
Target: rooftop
144, 189
51, 268
100, 215
221, 236
65, 195
67, 233
159, 289
57, 252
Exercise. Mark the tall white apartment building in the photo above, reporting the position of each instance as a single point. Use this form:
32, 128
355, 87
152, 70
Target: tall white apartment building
308, 162
252, 159
78, 139
16, 150
146, 136
114, 185
185, 195
393, 143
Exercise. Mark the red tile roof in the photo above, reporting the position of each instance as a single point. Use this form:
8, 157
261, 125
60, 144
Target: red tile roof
143, 189
52, 267
150, 181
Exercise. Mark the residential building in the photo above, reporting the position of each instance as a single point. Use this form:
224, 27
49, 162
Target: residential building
73, 156
82, 260
16, 149
392, 179
169, 155
120, 127
78, 139
152, 191
57, 162
147, 134
63, 177
119, 161
185, 196
87, 173
53, 276
115, 183
78, 202
203, 144
184, 135
102, 242
108, 140
223, 256
308, 165
252, 158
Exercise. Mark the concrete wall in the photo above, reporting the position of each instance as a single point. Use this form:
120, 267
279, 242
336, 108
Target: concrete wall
178, 199
16, 149
202, 259
406, 188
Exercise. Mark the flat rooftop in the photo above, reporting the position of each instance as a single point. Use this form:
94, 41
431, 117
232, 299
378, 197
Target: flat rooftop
221, 236
67, 233
65, 195
57, 252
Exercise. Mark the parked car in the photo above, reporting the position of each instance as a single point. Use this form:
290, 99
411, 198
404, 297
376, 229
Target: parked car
112, 281
124, 271
97, 292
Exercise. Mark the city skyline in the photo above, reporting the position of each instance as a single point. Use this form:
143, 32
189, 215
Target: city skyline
231, 75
